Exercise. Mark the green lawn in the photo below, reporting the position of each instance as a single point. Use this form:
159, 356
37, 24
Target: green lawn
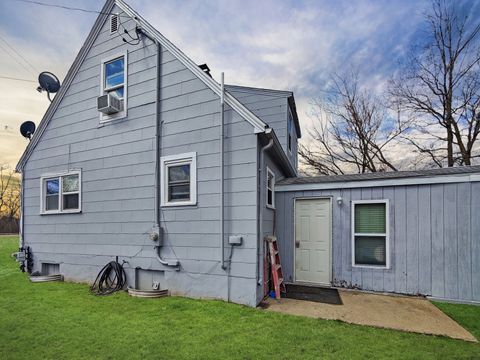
63, 321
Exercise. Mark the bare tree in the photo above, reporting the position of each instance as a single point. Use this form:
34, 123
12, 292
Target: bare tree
352, 131
10, 200
6, 179
440, 86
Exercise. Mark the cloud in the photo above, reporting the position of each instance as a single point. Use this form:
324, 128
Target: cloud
294, 45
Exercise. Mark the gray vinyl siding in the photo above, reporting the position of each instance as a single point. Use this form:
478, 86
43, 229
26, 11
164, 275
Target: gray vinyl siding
117, 162
434, 239
272, 108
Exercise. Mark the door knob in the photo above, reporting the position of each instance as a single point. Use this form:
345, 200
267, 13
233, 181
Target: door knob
297, 244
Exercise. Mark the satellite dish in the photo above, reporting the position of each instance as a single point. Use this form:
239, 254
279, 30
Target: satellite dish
27, 129
49, 83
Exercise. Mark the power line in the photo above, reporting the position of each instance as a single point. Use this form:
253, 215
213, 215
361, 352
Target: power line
16, 61
16, 79
18, 54
67, 7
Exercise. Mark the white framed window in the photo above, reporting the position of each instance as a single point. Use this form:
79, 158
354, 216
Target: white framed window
370, 233
61, 193
178, 179
270, 188
113, 80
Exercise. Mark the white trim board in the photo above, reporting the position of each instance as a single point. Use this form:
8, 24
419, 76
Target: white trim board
443, 179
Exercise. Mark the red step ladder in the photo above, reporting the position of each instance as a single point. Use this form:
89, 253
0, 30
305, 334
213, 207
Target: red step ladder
276, 267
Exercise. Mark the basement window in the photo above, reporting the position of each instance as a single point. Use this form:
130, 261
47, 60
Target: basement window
179, 179
270, 188
370, 236
61, 193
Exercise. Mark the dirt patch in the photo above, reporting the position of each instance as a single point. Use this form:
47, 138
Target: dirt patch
404, 313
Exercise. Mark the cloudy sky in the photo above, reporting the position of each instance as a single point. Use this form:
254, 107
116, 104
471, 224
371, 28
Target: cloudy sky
289, 44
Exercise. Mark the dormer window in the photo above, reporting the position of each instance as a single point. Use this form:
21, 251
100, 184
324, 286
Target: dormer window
290, 130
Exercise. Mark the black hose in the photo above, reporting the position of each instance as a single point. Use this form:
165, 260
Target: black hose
110, 279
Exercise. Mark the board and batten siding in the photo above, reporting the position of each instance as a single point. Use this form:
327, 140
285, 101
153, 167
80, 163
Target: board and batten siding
434, 239
117, 162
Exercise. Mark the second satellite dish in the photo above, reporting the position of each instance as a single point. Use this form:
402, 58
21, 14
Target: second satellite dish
27, 129
49, 83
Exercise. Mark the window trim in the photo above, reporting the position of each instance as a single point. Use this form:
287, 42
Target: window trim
178, 159
272, 205
104, 118
386, 234
60, 210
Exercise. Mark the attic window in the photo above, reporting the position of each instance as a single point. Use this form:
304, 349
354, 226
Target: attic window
114, 23
290, 130
270, 188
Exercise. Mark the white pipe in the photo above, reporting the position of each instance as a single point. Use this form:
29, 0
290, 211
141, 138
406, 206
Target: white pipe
222, 170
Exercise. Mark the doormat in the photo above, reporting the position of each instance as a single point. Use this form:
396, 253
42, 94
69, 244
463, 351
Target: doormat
313, 293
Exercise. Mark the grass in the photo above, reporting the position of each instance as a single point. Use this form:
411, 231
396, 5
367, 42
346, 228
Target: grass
64, 321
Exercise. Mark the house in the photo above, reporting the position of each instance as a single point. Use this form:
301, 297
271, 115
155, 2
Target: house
142, 156
91, 189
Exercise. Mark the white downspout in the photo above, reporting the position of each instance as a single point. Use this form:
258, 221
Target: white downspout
222, 170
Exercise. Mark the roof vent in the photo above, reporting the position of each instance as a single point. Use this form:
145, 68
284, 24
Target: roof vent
205, 69
114, 23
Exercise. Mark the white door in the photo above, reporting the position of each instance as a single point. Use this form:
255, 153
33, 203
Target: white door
312, 241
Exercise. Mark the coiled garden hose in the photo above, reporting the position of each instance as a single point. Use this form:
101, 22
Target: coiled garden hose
110, 279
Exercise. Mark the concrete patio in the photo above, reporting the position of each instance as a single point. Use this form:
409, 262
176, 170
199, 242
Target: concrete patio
412, 314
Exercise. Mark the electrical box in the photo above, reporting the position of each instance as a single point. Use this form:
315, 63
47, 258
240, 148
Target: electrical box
156, 235
235, 240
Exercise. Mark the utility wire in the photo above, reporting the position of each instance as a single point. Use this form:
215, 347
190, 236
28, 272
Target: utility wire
67, 7
16, 60
18, 54
16, 79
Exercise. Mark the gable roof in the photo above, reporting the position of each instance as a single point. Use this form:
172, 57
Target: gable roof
271, 92
107, 7
258, 125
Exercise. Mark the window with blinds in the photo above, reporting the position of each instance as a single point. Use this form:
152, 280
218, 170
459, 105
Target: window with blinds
178, 179
370, 233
